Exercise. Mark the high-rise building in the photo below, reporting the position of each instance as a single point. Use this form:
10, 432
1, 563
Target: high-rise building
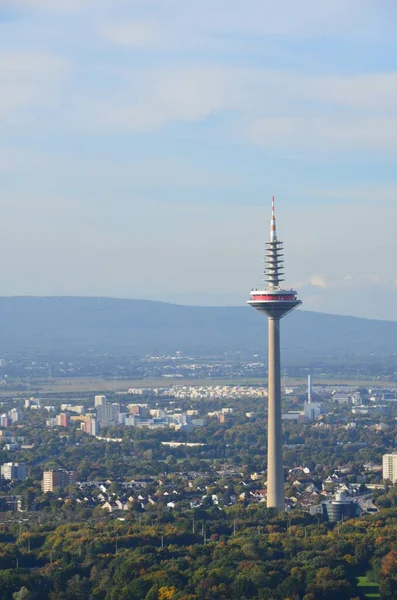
108, 414
63, 420
275, 302
5, 421
99, 400
90, 426
57, 479
15, 415
390, 467
13, 471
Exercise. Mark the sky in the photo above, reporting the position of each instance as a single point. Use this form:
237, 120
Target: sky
141, 142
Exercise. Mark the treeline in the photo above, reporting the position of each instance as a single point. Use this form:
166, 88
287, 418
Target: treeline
236, 554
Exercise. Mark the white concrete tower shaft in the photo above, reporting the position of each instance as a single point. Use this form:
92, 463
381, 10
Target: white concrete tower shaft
275, 467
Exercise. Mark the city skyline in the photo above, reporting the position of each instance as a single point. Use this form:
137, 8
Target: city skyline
144, 137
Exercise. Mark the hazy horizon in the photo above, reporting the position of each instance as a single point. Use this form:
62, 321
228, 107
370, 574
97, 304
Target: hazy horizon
179, 302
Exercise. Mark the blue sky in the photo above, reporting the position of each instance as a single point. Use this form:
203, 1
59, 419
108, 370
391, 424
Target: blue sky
141, 142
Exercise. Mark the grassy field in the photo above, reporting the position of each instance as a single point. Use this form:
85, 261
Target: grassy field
97, 384
368, 588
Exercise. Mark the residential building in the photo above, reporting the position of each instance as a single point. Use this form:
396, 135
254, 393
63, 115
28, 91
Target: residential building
15, 415
63, 420
13, 471
5, 421
390, 467
108, 414
57, 479
90, 426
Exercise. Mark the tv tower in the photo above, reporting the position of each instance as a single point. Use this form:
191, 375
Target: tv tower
275, 302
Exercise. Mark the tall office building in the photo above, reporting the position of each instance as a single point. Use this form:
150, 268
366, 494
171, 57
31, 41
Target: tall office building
390, 467
57, 479
275, 302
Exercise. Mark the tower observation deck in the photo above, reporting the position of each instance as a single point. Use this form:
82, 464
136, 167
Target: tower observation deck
275, 302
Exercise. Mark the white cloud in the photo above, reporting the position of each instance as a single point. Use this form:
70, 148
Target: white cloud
345, 282
150, 99
281, 109
318, 281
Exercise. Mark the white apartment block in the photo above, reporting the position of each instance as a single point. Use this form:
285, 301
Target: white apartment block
390, 467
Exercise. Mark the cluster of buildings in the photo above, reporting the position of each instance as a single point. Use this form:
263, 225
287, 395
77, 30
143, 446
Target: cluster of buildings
308, 495
10, 441
9, 418
335, 500
215, 392
140, 415
112, 414
375, 403
53, 480
378, 402
311, 411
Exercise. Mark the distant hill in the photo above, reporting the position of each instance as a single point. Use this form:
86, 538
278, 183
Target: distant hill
71, 324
